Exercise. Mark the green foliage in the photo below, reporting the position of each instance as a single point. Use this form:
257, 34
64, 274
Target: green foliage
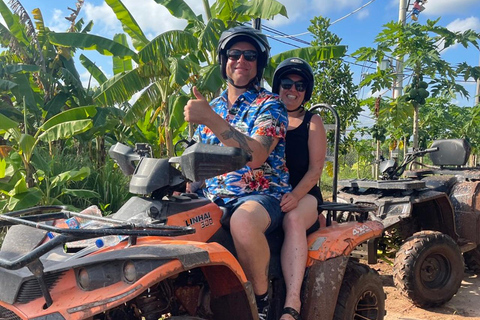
108, 183
53, 177
418, 47
333, 78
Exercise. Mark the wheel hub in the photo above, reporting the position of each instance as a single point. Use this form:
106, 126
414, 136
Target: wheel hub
434, 271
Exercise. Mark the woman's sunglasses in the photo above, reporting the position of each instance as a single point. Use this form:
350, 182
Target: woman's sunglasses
287, 83
249, 55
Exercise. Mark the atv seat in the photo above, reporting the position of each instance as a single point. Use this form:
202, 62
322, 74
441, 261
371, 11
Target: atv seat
451, 152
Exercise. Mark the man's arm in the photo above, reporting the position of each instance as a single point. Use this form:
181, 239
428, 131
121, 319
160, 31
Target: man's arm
259, 147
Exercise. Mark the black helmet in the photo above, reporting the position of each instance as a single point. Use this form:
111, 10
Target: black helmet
248, 34
294, 66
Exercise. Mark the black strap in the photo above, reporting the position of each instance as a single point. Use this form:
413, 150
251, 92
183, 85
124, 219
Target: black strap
308, 118
300, 107
294, 313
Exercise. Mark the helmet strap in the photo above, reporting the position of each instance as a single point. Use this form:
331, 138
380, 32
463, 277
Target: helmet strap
300, 107
248, 85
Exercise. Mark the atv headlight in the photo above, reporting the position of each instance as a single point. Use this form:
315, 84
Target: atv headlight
99, 276
83, 279
129, 272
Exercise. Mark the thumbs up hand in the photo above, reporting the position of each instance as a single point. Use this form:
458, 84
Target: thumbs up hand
198, 110
198, 94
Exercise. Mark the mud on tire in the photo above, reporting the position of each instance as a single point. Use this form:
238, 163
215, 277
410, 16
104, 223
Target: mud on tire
361, 295
428, 268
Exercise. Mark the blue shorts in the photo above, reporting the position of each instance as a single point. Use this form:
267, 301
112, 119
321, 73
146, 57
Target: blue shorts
271, 204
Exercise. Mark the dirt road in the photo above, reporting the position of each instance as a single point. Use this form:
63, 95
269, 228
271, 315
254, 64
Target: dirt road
464, 305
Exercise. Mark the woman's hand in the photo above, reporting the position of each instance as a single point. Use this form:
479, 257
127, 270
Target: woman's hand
289, 202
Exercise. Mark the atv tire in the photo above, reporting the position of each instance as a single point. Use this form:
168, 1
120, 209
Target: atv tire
361, 295
472, 260
428, 268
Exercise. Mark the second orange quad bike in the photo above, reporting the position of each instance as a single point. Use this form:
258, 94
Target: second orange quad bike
170, 260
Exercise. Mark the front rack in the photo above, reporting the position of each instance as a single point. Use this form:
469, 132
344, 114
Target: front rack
38, 218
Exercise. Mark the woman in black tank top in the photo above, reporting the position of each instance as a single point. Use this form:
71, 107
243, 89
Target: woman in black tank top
305, 156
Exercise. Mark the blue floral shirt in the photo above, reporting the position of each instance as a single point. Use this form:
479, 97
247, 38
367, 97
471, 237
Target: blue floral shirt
255, 113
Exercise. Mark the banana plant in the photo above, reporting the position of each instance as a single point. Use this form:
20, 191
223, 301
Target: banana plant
165, 65
171, 63
24, 190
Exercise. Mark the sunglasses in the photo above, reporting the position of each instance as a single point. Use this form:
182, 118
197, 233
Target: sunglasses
249, 55
286, 84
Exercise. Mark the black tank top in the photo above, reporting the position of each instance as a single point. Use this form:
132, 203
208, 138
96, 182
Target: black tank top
297, 155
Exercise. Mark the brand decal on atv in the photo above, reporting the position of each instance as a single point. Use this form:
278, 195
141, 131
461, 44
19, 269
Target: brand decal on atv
358, 231
204, 219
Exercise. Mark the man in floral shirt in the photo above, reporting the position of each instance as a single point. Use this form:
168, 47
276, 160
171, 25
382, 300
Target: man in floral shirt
251, 118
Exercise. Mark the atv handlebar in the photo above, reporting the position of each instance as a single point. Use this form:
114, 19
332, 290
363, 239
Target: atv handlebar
420, 153
393, 172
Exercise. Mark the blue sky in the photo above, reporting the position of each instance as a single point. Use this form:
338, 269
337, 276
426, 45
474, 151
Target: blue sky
356, 30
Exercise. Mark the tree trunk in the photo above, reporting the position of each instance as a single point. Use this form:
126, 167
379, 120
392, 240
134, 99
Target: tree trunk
415, 125
101, 156
377, 163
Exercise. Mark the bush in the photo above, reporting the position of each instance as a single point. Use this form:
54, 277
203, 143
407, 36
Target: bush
110, 183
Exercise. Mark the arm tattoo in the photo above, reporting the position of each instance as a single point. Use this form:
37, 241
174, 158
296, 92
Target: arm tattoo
239, 137
267, 142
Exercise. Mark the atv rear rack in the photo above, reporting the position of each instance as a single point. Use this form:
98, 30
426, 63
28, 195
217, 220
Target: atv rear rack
361, 213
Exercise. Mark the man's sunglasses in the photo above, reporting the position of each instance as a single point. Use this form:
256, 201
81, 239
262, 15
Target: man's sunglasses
249, 55
287, 83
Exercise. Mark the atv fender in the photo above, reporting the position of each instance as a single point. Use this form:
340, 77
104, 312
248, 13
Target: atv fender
321, 287
231, 293
340, 239
433, 211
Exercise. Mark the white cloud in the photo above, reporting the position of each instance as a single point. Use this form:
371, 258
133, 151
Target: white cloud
58, 22
152, 17
471, 23
85, 78
438, 8
461, 25
363, 14
296, 10
103, 17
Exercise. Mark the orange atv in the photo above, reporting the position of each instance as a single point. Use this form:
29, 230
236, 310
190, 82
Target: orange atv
170, 259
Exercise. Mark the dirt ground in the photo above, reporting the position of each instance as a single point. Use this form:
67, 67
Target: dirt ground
464, 305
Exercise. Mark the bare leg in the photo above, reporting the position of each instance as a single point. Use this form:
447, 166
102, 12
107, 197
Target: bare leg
247, 225
294, 249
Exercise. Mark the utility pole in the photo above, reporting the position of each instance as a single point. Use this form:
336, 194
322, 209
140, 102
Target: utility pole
477, 97
398, 85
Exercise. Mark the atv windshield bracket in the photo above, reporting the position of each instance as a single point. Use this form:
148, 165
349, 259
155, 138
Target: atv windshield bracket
36, 267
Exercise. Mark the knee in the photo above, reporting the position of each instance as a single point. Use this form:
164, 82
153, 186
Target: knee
292, 221
242, 228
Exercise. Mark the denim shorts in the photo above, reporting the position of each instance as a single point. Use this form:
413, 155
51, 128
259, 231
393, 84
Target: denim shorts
271, 204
